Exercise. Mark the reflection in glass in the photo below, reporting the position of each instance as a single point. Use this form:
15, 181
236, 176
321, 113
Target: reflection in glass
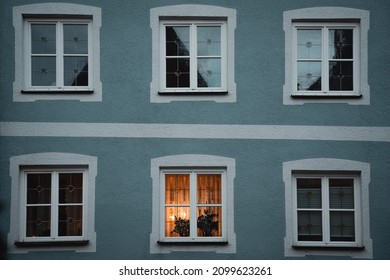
209, 72
209, 40
342, 226
309, 226
76, 71
38, 221
178, 72
70, 220
43, 38
75, 38
341, 75
309, 43
43, 70
340, 43
309, 76
177, 40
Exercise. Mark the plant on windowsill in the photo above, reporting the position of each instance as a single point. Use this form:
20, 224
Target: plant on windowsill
207, 224
182, 227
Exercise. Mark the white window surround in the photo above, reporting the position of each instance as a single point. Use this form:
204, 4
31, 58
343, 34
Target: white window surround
186, 162
329, 166
53, 161
192, 12
328, 15
59, 11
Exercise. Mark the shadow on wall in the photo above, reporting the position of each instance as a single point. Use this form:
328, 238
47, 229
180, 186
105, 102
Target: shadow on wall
3, 246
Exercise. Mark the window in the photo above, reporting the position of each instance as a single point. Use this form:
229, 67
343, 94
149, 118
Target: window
327, 210
193, 204
326, 56
57, 52
193, 53
52, 203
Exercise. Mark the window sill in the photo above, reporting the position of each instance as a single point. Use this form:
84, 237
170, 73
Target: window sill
326, 96
51, 243
191, 93
332, 248
49, 92
192, 243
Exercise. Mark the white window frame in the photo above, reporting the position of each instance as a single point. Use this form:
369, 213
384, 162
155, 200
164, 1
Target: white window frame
53, 205
193, 24
193, 205
55, 12
327, 17
192, 163
325, 210
180, 14
363, 247
59, 55
51, 162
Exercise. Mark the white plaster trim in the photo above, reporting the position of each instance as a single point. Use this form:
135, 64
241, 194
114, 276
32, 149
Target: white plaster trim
57, 159
327, 13
195, 131
56, 9
322, 165
200, 11
193, 161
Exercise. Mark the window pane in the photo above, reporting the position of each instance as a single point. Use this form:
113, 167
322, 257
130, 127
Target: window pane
177, 40
177, 188
75, 38
209, 72
309, 44
38, 221
209, 40
43, 38
70, 220
309, 226
43, 70
309, 193
177, 221
38, 188
309, 76
70, 188
342, 226
340, 43
341, 194
341, 75
209, 221
178, 72
76, 71
209, 189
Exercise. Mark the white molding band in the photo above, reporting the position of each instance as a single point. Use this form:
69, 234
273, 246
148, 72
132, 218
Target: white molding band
196, 131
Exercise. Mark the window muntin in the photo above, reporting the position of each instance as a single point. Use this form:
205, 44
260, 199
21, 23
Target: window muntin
58, 55
326, 59
193, 206
53, 205
326, 210
194, 56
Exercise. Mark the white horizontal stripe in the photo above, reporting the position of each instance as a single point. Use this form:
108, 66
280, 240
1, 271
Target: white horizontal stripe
195, 131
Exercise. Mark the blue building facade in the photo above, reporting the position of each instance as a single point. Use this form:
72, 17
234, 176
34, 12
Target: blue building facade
194, 130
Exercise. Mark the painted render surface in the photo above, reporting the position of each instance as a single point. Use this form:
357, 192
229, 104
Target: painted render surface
125, 131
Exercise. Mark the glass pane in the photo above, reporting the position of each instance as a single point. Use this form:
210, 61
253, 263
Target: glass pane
341, 43
309, 193
209, 72
342, 226
209, 221
70, 220
309, 44
177, 40
178, 72
309, 226
341, 75
209, 40
177, 188
43, 70
43, 38
38, 188
209, 189
38, 221
70, 188
341, 194
75, 38
309, 76
177, 221
76, 71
